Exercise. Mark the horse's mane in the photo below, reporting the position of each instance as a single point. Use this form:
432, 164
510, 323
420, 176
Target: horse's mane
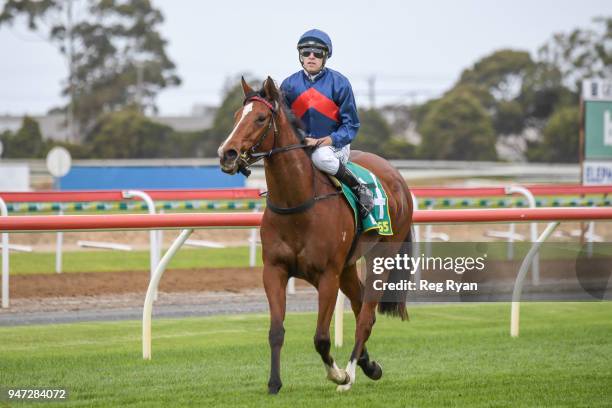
296, 124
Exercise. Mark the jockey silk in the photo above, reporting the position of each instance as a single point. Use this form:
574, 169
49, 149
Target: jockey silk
325, 105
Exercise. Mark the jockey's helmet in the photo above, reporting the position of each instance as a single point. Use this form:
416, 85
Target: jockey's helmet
316, 39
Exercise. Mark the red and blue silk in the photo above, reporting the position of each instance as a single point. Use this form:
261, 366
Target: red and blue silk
326, 105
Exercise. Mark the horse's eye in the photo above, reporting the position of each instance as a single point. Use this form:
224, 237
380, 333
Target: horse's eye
261, 119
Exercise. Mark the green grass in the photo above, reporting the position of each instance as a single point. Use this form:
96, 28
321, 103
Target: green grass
108, 261
459, 355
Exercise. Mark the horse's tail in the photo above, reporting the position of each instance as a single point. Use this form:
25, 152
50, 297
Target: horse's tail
398, 308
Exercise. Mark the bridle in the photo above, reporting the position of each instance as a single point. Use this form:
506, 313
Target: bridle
251, 156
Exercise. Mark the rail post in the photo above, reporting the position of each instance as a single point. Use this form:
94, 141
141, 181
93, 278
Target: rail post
5, 259
533, 229
253, 242
520, 278
147, 309
339, 320
416, 248
153, 245
59, 241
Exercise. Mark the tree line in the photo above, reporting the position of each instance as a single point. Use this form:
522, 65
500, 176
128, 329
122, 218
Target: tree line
118, 64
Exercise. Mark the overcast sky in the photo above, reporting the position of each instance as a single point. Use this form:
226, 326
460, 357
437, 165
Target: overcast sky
415, 49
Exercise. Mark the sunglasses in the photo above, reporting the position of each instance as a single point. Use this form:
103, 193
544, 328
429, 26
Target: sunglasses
318, 53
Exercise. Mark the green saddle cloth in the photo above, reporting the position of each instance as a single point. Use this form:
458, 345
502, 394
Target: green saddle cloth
378, 218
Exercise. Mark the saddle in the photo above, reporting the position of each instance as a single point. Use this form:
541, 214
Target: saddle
379, 218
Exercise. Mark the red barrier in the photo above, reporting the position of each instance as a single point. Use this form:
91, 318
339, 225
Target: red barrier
434, 192
513, 214
536, 190
253, 193
117, 195
570, 189
222, 220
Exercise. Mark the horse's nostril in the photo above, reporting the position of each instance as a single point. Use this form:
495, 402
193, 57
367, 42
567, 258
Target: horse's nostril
230, 154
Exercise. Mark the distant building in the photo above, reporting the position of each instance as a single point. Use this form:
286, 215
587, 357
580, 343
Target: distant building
201, 118
53, 126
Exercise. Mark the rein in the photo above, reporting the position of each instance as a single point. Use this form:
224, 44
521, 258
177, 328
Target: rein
251, 156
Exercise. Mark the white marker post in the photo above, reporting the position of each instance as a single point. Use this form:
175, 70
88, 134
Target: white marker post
5, 259
59, 162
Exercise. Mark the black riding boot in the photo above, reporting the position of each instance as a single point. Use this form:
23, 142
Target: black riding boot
363, 193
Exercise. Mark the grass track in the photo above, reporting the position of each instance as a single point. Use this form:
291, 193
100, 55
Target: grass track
459, 355
113, 261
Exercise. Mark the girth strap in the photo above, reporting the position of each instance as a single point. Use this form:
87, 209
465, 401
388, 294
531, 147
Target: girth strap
300, 208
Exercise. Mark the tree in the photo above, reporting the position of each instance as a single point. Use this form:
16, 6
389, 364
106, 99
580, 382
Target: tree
396, 148
376, 136
115, 53
77, 151
560, 141
27, 142
457, 128
582, 53
187, 144
500, 73
127, 134
542, 92
373, 133
497, 81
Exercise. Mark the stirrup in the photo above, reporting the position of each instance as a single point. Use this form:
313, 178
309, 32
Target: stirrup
365, 208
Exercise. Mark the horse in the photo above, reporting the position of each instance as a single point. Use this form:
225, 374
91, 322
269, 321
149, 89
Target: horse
308, 230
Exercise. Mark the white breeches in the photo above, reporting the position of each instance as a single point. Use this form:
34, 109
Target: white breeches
328, 158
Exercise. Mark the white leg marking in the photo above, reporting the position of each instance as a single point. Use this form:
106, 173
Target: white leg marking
245, 111
335, 374
350, 370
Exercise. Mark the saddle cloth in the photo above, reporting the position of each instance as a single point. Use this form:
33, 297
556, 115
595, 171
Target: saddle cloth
378, 218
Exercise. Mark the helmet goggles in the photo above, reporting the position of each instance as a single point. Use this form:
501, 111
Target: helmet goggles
317, 51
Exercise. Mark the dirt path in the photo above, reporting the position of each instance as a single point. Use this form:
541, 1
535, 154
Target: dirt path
102, 283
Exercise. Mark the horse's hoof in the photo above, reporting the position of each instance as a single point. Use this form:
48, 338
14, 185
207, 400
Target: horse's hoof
371, 369
338, 376
346, 384
376, 372
347, 379
273, 389
344, 387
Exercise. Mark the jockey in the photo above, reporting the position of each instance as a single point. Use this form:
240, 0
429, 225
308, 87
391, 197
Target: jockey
323, 99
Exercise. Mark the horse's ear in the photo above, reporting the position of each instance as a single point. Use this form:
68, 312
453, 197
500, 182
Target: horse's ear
271, 90
245, 87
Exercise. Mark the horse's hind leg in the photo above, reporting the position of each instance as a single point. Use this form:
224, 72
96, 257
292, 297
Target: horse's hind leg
365, 322
328, 292
275, 283
352, 288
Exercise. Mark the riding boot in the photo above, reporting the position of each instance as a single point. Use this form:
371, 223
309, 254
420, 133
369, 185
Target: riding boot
363, 193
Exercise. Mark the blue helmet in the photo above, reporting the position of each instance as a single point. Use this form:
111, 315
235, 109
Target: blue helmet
316, 38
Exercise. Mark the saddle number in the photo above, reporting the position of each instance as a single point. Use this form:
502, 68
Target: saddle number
383, 226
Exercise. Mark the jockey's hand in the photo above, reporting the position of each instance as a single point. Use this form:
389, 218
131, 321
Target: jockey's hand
324, 141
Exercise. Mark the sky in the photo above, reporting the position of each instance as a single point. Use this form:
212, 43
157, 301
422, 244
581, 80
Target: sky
413, 49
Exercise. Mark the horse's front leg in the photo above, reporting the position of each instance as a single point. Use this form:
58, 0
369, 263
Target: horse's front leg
275, 284
328, 292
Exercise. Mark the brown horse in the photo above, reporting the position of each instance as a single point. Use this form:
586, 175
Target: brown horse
308, 230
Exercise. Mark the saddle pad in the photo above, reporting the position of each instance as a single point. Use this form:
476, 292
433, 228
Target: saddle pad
378, 218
